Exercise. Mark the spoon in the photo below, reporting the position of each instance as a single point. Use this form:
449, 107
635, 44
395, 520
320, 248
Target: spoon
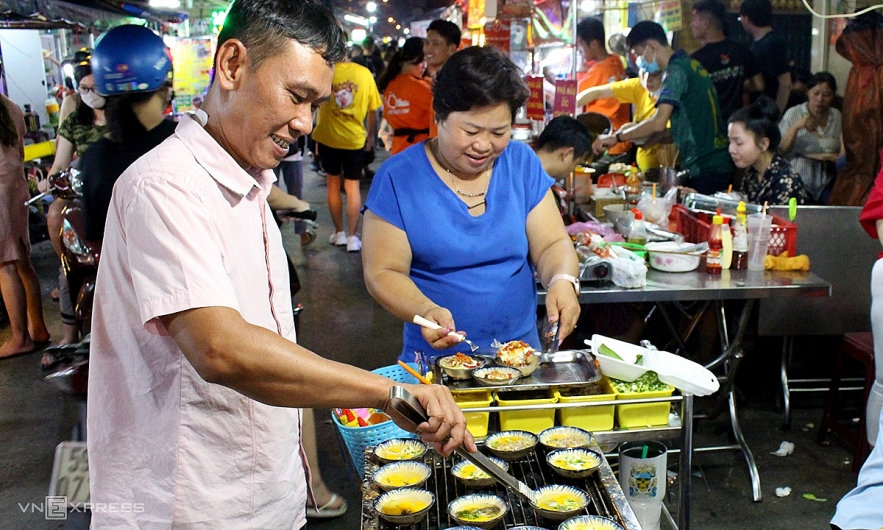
420, 321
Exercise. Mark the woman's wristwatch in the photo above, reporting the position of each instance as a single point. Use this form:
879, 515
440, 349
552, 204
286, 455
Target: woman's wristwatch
567, 277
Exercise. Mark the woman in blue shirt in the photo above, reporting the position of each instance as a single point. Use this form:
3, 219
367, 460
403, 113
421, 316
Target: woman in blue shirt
456, 226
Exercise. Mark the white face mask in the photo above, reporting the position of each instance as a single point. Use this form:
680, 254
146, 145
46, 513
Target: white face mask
92, 99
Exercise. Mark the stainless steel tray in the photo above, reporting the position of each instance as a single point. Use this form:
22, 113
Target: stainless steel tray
566, 367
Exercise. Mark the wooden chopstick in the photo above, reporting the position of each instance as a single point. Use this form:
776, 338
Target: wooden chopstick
415, 373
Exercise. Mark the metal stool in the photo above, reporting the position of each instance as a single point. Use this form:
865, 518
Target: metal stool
860, 347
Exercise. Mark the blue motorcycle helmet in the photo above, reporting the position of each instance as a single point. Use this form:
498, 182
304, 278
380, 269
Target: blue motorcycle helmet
130, 59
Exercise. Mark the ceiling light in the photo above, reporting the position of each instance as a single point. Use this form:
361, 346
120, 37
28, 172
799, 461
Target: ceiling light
398, 26
407, 31
372, 20
168, 4
371, 7
390, 20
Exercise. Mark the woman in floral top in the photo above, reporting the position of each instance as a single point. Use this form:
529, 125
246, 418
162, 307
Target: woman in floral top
754, 137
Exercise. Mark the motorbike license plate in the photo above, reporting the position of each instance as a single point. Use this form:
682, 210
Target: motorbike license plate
70, 473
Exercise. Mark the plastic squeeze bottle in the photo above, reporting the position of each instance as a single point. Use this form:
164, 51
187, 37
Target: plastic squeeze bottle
740, 239
638, 232
715, 246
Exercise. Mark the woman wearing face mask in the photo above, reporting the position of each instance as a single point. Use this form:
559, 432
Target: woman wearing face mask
642, 92
79, 129
811, 136
754, 137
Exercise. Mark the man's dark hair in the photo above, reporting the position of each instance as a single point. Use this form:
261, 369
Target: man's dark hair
265, 26
760, 12
716, 10
589, 29
565, 131
644, 31
478, 77
448, 31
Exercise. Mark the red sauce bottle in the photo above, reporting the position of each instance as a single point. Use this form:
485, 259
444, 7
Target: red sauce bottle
715, 246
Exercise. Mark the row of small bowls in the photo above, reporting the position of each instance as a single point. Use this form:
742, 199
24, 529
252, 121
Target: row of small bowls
409, 505
484, 375
583, 522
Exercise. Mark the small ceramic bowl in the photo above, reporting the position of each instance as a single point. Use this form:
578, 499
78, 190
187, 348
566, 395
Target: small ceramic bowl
478, 509
405, 474
456, 370
399, 449
666, 258
565, 438
473, 477
574, 463
511, 445
404, 506
496, 375
590, 522
558, 502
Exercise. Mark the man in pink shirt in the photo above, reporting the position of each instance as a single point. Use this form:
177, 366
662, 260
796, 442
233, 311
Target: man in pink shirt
195, 379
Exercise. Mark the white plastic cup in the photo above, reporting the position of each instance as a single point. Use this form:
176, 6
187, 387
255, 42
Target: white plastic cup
643, 480
758, 240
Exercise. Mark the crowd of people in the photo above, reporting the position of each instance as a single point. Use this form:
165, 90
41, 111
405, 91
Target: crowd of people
191, 310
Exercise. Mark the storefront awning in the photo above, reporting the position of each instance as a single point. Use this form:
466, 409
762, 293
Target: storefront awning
98, 14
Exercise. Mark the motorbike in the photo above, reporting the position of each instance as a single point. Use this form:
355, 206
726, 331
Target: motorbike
69, 366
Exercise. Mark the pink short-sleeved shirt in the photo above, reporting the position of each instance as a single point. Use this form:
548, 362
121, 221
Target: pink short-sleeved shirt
188, 228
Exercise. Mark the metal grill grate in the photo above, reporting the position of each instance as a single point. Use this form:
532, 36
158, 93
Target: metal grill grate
606, 497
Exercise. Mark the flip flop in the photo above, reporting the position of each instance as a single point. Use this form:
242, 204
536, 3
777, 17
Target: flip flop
326, 512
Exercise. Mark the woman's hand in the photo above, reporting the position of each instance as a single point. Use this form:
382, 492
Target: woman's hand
446, 429
439, 338
562, 306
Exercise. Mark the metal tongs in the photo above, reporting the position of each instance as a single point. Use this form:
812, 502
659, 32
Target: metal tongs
407, 406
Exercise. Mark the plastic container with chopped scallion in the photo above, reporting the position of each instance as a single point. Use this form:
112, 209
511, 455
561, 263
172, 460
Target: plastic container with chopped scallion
649, 382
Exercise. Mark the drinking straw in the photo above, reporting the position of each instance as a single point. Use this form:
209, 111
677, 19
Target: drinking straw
730, 189
644, 452
654, 192
414, 373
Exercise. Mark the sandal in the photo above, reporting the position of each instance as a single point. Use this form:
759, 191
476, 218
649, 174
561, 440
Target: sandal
326, 511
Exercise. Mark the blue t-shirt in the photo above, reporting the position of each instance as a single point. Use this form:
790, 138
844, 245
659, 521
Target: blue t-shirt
477, 267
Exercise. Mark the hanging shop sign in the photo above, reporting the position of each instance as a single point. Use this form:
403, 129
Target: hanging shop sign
667, 13
535, 108
193, 63
565, 97
497, 33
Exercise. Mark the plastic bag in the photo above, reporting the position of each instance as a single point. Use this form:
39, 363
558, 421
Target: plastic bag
657, 211
385, 134
629, 270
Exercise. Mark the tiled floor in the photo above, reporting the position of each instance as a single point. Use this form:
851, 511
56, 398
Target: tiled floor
342, 322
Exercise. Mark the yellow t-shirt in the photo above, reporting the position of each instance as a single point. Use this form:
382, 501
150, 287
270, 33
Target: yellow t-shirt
341, 120
631, 91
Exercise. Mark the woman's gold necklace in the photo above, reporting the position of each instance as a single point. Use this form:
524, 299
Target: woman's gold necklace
438, 158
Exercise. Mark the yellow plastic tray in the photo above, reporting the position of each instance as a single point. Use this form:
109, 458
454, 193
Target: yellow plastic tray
593, 418
643, 414
534, 421
476, 422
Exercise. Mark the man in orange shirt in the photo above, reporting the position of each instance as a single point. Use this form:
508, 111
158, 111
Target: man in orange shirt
605, 68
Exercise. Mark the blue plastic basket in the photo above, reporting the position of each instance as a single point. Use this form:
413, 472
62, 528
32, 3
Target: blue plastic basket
358, 438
